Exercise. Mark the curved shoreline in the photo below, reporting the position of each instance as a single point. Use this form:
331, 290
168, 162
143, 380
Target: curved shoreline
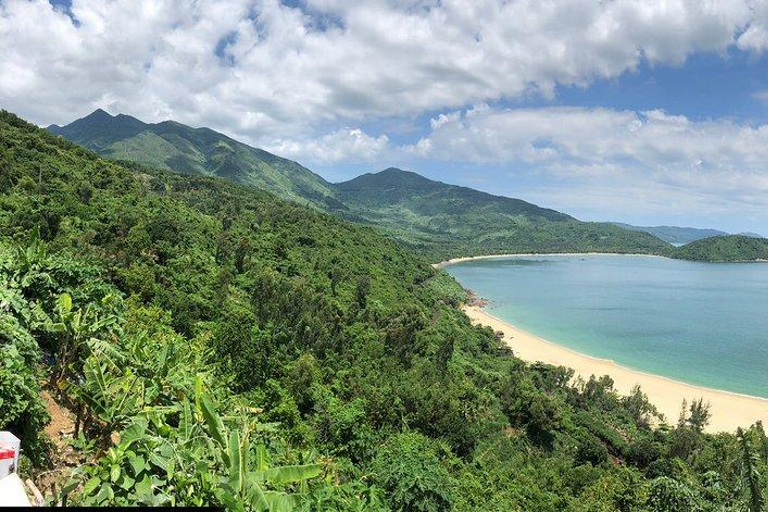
453, 261
729, 410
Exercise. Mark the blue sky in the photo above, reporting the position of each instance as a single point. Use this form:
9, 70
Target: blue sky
652, 112
705, 86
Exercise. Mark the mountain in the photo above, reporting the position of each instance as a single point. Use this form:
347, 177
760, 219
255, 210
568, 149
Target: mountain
434, 218
99, 130
447, 220
724, 248
174, 146
674, 234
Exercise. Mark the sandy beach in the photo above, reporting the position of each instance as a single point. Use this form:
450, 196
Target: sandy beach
729, 410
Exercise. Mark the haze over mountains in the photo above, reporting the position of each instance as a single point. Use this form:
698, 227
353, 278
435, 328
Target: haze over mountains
438, 219
677, 235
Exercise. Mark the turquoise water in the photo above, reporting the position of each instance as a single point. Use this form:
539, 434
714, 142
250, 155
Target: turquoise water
701, 323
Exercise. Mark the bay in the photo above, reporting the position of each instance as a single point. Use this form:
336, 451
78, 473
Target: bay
701, 323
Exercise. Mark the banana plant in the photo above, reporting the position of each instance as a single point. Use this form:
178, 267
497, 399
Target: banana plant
245, 484
75, 327
752, 474
108, 394
31, 262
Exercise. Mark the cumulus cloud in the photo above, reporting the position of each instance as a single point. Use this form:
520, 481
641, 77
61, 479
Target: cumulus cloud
260, 69
653, 139
343, 145
755, 37
619, 154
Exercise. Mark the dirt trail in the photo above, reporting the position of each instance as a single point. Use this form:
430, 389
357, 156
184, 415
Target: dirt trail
62, 421
63, 457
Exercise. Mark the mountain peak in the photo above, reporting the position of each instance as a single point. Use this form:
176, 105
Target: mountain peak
99, 114
391, 177
394, 171
99, 128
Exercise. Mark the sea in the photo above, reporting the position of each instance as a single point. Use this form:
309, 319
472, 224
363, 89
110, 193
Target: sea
700, 323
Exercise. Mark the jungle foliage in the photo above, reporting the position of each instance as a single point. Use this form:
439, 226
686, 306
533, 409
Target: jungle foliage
727, 248
221, 346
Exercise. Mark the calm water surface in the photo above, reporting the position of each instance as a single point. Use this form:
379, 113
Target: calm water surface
702, 323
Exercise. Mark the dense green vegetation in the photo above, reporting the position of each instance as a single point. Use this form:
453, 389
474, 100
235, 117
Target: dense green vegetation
221, 346
435, 219
448, 221
674, 234
724, 248
174, 146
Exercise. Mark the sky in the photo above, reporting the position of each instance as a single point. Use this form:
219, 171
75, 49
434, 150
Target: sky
641, 111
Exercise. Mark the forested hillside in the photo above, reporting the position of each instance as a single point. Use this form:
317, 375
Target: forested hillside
174, 146
221, 346
432, 218
724, 248
445, 221
674, 234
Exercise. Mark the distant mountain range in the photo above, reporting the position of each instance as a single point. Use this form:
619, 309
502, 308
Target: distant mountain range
677, 235
435, 218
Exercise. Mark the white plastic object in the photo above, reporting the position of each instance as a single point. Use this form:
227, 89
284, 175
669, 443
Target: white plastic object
12, 492
10, 446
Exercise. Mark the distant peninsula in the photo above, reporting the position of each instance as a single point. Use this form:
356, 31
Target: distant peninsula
728, 248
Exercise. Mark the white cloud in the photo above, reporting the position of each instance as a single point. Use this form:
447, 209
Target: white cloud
283, 71
755, 37
632, 159
652, 139
343, 145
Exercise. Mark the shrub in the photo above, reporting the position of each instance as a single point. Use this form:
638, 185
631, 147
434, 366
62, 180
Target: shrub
408, 468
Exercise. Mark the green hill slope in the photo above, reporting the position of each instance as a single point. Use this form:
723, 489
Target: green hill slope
433, 218
447, 221
174, 146
674, 234
225, 347
724, 248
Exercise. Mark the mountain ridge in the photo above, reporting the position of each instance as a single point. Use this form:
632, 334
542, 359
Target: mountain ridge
175, 146
437, 219
674, 234
451, 221
400, 181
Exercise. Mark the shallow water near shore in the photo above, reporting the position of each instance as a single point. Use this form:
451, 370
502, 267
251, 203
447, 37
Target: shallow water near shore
701, 323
